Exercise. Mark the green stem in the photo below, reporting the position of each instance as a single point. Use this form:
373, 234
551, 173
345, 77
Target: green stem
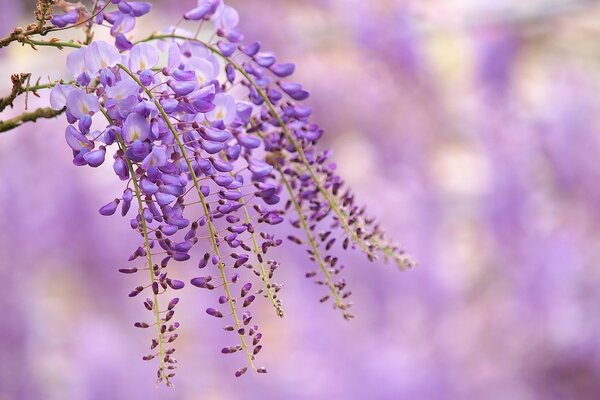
31, 116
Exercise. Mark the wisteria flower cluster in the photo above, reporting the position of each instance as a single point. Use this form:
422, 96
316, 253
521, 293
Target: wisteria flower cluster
214, 146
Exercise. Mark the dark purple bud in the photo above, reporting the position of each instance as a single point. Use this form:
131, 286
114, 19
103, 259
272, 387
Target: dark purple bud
173, 303
235, 278
141, 325
261, 370
229, 350
246, 317
256, 339
245, 289
128, 270
181, 256
110, 208
230, 72
204, 261
251, 49
136, 291
226, 48
222, 299
283, 70
240, 372
257, 349
176, 284
214, 312
95, 158
248, 300
122, 43
201, 282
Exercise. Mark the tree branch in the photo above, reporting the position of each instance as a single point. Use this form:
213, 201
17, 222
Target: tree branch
18, 80
32, 116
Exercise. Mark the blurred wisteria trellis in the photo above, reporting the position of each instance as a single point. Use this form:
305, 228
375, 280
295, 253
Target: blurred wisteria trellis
469, 128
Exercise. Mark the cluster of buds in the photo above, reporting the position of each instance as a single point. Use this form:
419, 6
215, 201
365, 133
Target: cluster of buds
214, 146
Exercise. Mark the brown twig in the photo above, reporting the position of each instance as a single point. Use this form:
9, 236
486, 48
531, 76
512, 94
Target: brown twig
43, 13
18, 80
32, 116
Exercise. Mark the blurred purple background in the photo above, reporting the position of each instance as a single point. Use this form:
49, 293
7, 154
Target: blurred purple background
469, 127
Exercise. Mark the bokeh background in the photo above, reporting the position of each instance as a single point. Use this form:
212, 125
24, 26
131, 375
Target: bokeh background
470, 127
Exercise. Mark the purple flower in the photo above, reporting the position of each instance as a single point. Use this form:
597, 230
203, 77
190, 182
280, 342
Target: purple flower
142, 56
100, 55
80, 104
58, 96
135, 128
225, 109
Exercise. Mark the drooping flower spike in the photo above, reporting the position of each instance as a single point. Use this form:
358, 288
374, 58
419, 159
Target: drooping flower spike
206, 170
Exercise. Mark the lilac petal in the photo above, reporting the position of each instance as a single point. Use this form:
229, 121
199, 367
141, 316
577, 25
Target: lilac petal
100, 55
135, 128
80, 104
58, 96
143, 56
156, 158
76, 140
225, 109
227, 19
76, 62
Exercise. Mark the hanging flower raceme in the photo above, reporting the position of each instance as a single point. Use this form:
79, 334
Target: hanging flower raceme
207, 138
